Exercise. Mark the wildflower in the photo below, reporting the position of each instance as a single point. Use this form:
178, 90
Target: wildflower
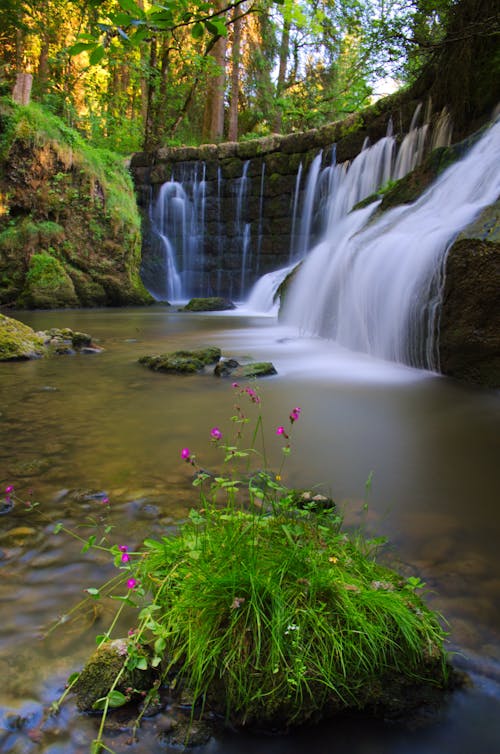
235, 385
333, 559
278, 477
105, 501
125, 557
123, 548
185, 454
280, 430
9, 489
216, 434
295, 414
131, 583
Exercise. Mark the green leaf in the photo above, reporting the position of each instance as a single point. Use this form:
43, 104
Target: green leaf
142, 663
131, 7
96, 55
197, 30
57, 528
160, 645
121, 19
117, 699
79, 47
93, 592
153, 544
89, 543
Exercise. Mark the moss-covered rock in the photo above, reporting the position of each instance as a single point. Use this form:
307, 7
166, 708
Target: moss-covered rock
469, 336
47, 284
100, 673
182, 362
69, 224
211, 304
18, 341
255, 369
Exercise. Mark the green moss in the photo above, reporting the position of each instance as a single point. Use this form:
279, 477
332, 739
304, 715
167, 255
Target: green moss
212, 304
18, 341
182, 362
47, 284
60, 192
256, 369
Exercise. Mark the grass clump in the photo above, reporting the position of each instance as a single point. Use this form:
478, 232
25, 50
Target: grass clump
275, 617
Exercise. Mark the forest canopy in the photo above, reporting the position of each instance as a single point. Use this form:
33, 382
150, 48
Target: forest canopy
130, 73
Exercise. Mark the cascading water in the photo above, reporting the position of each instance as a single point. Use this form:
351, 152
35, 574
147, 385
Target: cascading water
178, 222
375, 286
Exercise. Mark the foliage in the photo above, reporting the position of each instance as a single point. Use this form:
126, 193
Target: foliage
127, 73
261, 607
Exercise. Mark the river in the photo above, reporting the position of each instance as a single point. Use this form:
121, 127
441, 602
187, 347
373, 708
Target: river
105, 423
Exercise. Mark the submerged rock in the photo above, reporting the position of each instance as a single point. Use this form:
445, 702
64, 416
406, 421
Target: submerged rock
182, 362
212, 304
99, 675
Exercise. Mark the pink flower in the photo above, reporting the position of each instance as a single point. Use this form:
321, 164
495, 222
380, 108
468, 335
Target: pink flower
125, 557
105, 501
185, 454
280, 431
235, 385
216, 434
295, 414
9, 489
131, 583
123, 548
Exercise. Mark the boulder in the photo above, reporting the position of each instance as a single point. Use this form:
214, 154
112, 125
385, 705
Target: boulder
212, 304
469, 334
18, 341
182, 362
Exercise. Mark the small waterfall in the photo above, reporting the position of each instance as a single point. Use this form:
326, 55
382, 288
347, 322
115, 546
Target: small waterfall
178, 223
263, 295
295, 204
306, 222
261, 217
242, 227
375, 287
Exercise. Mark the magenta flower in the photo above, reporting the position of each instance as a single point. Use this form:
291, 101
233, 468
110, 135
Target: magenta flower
125, 557
216, 434
9, 489
185, 454
105, 501
295, 414
123, 548
235, 385
280, 431
131, 583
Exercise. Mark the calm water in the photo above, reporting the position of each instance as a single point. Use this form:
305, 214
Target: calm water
104, 423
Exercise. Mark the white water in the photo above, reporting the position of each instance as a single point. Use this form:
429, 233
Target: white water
375, 288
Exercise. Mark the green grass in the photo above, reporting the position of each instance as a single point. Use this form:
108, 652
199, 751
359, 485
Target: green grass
273, 617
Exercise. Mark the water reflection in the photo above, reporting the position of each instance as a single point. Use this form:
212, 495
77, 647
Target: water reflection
103, 423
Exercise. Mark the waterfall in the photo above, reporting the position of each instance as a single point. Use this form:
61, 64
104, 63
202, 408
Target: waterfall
178, 222
375, 286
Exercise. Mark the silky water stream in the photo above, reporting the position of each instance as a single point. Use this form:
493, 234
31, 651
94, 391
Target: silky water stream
104, 423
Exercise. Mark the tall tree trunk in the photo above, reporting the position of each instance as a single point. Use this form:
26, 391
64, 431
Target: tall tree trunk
235, 78
280, 84
213, 116
151, 94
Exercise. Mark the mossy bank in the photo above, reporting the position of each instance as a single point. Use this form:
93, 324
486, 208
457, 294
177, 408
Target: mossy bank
69, 226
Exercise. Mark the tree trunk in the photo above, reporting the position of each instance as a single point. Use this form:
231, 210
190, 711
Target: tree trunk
280, 84
213, 116
22, 88
235, 78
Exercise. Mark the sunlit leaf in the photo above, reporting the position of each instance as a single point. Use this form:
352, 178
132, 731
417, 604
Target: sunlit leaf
96, 55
